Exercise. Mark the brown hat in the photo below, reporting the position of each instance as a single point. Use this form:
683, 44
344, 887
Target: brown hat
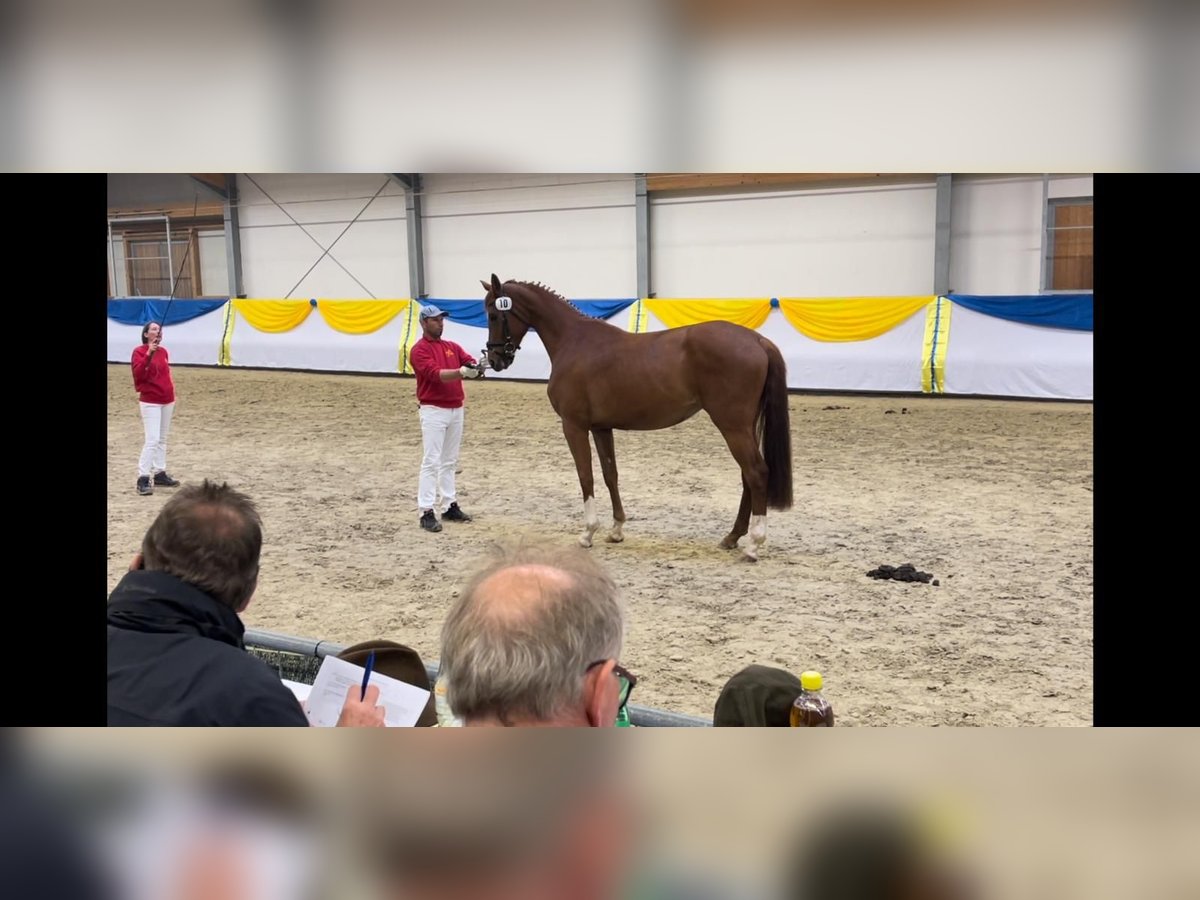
399, 662
757, 696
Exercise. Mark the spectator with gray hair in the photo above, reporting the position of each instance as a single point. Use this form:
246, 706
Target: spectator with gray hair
535, 639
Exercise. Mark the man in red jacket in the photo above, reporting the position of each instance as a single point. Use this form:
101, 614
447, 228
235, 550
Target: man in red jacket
156, 393
440, 367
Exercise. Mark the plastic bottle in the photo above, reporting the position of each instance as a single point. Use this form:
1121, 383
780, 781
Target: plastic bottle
810, 709
445, 717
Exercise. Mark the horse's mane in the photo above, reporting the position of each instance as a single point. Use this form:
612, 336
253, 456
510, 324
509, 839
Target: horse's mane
555, 294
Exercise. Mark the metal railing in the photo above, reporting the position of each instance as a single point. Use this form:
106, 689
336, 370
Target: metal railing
642, 716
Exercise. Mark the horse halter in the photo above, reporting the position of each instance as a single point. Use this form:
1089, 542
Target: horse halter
506, 348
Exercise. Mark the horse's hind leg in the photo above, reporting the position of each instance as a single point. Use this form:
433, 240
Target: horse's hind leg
744, 447
577, 440
742, 524
608, 465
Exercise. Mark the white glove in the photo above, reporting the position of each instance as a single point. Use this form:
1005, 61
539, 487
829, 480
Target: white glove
468, 372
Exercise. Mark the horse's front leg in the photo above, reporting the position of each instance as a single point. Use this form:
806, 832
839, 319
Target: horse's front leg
577, 440
608, 465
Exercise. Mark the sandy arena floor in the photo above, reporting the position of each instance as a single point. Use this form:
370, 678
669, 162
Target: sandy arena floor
994, 498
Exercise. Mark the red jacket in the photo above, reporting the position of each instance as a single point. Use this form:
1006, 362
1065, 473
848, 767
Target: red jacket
152, 375
428, 358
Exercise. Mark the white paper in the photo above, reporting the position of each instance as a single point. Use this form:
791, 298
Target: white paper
403, 703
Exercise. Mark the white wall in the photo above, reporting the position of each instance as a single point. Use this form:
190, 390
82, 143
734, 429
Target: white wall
874, 240
276, 253
574, 233
996, 230
314, 345
194, 342
992, 356
214, 273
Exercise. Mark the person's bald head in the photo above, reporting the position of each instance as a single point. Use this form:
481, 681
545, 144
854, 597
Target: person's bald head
518, 591
517, 644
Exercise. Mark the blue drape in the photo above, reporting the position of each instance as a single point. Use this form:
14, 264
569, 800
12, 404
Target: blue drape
471, 312
141, 310
1073, 311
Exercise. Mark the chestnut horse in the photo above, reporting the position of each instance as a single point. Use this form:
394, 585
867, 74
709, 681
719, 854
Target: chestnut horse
603, 378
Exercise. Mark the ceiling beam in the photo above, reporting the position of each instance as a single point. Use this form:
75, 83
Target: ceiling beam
687, 181
215, 183
209, 210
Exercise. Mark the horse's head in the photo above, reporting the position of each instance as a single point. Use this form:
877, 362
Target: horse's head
506, 328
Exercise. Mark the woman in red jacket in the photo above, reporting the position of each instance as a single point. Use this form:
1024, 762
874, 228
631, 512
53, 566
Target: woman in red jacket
156, 392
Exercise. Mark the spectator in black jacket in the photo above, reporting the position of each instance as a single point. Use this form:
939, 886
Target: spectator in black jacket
175, 651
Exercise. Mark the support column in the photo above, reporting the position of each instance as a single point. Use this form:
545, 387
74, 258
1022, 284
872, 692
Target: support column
643, 237
416, 243
233, 238
941, 239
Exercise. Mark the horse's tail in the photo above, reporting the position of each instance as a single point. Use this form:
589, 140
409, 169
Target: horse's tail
775, 430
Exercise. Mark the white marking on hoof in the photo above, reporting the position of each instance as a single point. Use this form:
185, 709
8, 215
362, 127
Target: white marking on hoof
616, 536
591, 522
758, 529
758, 534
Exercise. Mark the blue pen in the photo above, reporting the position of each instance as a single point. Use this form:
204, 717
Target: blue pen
367, 674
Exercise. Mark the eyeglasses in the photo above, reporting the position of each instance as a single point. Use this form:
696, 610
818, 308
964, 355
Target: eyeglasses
627, 680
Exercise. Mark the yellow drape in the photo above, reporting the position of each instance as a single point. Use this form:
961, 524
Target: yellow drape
359, 316
933, 352
224, 355
674, 313
409, 336
637, 317
849, 318
273, 316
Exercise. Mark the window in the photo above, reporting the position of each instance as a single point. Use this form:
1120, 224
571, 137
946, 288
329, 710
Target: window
152, 272
1069, 245
140, 265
